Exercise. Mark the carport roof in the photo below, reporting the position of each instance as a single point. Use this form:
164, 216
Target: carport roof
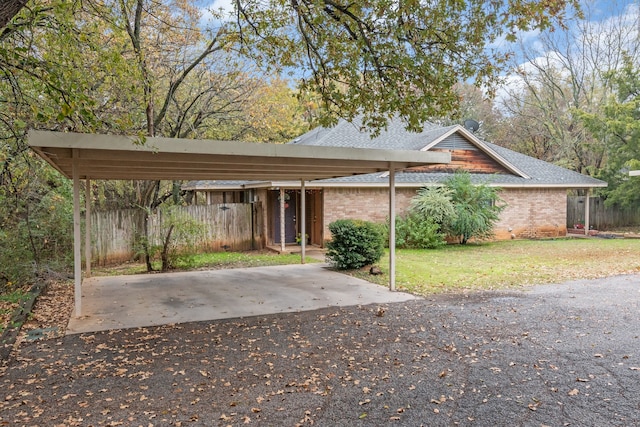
122, 157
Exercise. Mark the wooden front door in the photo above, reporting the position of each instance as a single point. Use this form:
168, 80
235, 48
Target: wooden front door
315, 223
290, 208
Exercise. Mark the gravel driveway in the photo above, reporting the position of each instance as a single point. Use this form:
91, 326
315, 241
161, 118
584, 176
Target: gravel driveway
553, 355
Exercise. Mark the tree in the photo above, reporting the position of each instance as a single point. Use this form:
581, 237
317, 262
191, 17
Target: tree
180, 91
475, 104
272, 113
382, 58
565, 71
42, 86
619, 125
476, 208
72, 66
9, 9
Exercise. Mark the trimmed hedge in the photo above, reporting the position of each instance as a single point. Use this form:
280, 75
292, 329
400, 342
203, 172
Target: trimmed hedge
354, 244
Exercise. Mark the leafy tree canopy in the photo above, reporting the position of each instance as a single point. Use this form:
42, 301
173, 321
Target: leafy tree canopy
620, 127
384, 57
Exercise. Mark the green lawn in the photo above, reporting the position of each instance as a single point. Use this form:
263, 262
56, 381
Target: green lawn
508, 264
214, 260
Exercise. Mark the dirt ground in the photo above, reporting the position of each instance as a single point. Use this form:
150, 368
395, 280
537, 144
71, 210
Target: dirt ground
553, 355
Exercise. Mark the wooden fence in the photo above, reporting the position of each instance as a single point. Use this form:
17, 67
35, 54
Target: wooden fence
601, 217
230, 226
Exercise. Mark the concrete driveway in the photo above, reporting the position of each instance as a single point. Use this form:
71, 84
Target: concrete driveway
118, 302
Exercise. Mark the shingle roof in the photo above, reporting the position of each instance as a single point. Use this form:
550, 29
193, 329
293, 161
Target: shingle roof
396, 137
350, 134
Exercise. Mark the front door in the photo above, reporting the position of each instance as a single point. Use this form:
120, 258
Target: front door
290, 205
314, 217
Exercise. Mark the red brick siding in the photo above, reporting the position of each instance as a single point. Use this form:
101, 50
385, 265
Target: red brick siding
533, 213
371, 204
530, 213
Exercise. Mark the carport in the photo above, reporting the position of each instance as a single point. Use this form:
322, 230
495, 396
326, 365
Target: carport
89, 156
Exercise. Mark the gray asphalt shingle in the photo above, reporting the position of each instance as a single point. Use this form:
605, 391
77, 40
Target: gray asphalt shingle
396, 137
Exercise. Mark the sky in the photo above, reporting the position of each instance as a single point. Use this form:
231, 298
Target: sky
601, 17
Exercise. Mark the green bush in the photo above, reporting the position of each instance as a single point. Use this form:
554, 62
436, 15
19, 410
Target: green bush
434, 203
354, 244
477, 209
416, 231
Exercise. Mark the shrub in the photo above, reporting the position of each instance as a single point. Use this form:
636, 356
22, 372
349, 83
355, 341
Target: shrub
354, 244
434, 203
476, 208
416, 231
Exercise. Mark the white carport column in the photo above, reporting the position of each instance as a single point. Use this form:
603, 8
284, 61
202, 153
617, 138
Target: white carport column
87, 227
392, 227
303, 222
587, 213
77, 245
282, 223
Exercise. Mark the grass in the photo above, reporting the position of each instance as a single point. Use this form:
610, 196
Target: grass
215, 260
508, 264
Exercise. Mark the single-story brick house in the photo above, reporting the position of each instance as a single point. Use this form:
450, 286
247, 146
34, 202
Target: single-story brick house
535, 192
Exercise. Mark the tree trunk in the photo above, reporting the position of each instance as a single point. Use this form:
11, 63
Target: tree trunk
166, 264
145, 242
9, 9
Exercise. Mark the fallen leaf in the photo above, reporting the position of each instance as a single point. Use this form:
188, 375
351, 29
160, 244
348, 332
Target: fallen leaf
573, 392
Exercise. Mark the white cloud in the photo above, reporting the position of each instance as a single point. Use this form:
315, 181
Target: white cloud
216, 12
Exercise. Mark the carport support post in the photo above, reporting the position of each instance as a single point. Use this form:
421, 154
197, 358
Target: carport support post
303, 222
282, 225
392, 228
77, 246
587, 209
87, 227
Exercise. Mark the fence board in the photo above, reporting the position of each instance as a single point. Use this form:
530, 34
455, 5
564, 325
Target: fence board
601, 217
221, 227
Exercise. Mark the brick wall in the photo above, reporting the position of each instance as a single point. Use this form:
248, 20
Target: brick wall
530, 213
533, 213
371, 204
